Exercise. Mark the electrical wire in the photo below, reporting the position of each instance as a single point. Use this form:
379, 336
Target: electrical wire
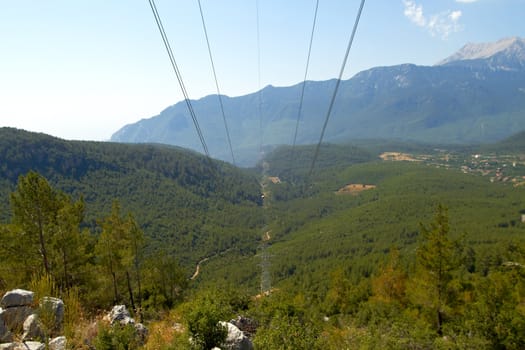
179, 77
338, 82
304, 80
259, 93
216, 82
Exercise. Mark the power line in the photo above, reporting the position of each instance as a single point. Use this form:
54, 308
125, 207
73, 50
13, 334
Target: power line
304, 79
259, 97
179, 77
216, 82
338, 82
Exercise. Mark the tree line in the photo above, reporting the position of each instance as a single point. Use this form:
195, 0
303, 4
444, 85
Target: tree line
107, 265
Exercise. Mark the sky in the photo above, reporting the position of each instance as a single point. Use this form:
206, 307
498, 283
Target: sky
82, 69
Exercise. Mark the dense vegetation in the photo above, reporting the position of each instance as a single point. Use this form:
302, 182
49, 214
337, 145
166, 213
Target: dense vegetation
356, 258
187, 204
425, 256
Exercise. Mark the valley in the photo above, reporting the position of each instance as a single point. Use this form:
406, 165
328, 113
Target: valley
285, 249
407, 231
260, 187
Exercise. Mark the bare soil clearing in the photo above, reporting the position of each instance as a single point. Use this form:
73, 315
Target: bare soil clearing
355, 189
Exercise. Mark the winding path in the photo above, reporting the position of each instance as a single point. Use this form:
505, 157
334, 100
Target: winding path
198, 266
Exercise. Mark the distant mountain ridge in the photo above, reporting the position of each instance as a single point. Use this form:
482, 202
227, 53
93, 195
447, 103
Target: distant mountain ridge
508, 50
476, 95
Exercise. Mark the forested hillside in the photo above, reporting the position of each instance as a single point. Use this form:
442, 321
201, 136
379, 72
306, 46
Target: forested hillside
425, 251
381, 244
186, 203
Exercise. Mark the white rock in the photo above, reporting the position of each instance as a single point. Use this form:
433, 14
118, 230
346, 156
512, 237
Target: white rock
120, 314
58, 343
29, 345
17, 297
32, 328
236, 340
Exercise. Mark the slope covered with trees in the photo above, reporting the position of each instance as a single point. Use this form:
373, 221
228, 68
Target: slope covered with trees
363, 252
427, 255
186, 203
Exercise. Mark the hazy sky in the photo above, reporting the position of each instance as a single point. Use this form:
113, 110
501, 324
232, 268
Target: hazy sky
81, 69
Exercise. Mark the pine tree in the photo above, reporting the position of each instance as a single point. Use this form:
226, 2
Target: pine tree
119, 251
34, 208
134, 260
45, 225
436, 261
70, 243
390, 284
111, 248
165, 280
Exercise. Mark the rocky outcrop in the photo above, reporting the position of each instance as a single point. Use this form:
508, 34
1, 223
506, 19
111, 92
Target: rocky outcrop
17, 297
236, 339
5, 334
28, 345
15, 307
54, 309
19, 319
15, 316
247, 325
33, 328
58, 343
121, 316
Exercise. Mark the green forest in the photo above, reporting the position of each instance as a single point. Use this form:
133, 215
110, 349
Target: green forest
359, 253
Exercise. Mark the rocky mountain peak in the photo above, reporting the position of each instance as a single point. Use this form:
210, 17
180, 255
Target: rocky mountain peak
511, 50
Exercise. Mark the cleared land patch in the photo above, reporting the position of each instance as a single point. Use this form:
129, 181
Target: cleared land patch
355, 188
397, 156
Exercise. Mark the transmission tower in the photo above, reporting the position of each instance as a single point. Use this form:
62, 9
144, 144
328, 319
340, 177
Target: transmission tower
266, 278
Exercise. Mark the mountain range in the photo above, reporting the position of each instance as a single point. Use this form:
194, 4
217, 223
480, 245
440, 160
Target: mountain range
477, 95
335, 249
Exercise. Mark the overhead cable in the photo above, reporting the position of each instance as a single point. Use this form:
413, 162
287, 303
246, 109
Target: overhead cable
300, 109
338, 82
259, 93
177, 73
216, 82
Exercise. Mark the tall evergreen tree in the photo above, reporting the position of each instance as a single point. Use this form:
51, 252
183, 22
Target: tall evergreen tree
390, 284
134, 261
34, 208
111, 248
165, 280
436, 261
45, 225
119, 251
70, 243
